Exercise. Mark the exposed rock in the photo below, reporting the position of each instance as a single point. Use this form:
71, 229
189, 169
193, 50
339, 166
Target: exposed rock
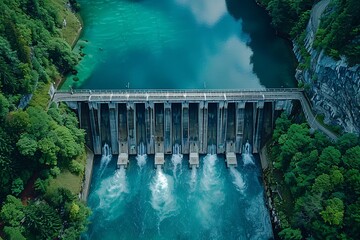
334, 86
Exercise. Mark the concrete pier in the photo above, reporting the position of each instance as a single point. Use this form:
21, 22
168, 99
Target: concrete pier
231, 159
159, 159
123, 160
194, 156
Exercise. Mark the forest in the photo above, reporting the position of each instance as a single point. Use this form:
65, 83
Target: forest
339, 32
319, 183
38, 143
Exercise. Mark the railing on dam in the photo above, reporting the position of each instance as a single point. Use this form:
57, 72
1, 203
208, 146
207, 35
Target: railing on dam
177, 95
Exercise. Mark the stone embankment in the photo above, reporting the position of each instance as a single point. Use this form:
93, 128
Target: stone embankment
334, 85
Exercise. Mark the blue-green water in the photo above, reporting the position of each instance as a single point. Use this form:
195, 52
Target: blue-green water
180, 44
212, 202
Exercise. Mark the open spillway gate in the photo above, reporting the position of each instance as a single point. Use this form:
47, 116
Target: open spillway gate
190, 122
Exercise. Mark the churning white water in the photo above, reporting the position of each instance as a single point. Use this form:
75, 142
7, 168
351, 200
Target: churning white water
176, 160
238, 179
141, 158
163, 200
111, 193
211, 192
105, 158
247, 156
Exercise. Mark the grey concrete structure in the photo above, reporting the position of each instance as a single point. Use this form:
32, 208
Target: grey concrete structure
189, 122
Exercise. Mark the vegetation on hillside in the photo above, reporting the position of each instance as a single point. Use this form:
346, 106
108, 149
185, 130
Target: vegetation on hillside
339, 32
37, 144
323, 179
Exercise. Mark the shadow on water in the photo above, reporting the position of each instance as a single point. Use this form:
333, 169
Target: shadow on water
257, 23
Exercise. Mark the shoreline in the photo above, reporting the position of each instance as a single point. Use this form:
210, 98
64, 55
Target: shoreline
79, 31
268, 189
84, 193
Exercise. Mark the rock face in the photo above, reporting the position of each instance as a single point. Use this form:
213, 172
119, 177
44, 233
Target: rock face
334, 86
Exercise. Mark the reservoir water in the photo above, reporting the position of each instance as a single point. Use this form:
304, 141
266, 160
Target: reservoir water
180, 44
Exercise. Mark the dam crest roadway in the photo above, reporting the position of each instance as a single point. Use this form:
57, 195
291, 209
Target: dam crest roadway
182, 121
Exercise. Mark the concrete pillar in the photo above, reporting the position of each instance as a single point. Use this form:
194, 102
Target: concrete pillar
259, 127
131, 127
113, 115
240, 110
122, 131
176, 126
203, 127
95, 127
221, 133
159, 128
185, 128
168, 128
150, 127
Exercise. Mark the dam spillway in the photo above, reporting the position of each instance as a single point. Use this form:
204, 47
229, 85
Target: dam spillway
192, 122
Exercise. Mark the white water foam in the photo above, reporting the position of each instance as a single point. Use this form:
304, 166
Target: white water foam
211, 192
162, 198
141, 160
112, 192
176, 160
105, 158
247, 156
238, 180
192, 182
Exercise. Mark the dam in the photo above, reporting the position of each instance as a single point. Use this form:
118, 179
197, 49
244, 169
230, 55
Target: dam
193, 122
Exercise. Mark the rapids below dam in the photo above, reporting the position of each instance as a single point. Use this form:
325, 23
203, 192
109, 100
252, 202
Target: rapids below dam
175, 202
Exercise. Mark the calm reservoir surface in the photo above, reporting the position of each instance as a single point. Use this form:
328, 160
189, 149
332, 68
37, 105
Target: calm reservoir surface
180, 44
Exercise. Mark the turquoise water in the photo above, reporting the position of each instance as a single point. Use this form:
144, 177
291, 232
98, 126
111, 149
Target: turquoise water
180, 44
212, 202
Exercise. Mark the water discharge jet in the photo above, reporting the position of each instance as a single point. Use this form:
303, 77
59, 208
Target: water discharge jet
247, 156
162, 199
141, 158
105, 158
238, 179
176, 160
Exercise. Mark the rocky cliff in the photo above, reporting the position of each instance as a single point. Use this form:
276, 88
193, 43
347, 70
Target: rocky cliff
334, 87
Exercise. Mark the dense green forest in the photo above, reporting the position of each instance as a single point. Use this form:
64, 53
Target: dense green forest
38, 143
339, 32
318, 181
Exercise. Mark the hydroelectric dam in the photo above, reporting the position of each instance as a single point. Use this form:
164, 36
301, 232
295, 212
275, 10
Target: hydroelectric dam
190, 122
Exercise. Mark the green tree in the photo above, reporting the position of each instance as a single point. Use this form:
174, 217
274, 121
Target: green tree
329, 157
42, 221
290, 234
322, 184
12, 212
4, 107
17, 122
17, 186
27, 145
334, 211
352, 158
346, 141
14, 233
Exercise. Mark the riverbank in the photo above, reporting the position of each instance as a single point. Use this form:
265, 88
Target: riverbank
269, 191
88, 174
273, 189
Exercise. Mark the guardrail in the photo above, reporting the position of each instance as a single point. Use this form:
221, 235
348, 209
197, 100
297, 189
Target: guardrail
144, 91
